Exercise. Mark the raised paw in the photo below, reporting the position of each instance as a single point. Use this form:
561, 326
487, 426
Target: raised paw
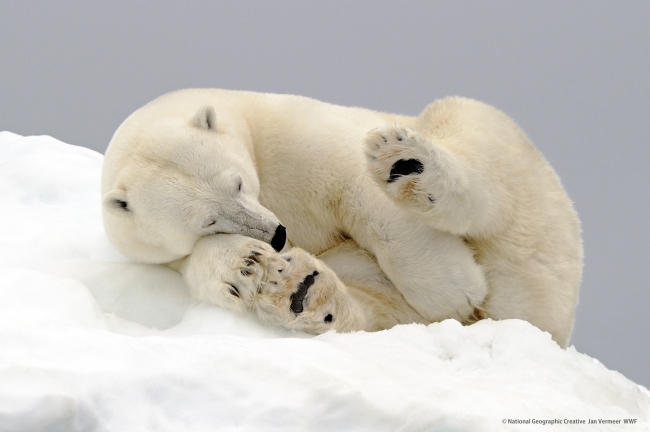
393, 152
414, 172
397, 157
307, 296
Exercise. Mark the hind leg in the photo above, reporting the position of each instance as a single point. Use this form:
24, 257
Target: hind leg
425, 178
418, 175
433, 270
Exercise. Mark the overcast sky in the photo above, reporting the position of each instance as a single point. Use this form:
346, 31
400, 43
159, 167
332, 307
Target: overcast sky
574, 75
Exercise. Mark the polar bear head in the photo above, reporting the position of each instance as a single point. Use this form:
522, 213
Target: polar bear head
172, 175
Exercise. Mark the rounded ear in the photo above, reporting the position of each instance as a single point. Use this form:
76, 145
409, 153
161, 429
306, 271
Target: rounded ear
116, 202
205, 118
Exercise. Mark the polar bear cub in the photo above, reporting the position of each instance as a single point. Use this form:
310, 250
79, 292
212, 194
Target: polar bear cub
453, 214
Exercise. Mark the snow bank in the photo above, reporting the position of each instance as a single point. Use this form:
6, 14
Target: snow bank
90, 341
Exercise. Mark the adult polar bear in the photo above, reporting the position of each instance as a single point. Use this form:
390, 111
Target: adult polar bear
456, 210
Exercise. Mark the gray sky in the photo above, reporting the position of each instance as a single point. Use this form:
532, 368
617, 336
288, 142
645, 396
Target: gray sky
574, 75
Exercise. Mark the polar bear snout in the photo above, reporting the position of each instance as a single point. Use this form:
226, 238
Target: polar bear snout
279, 238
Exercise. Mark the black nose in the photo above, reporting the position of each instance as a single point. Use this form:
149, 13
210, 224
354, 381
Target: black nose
279, 238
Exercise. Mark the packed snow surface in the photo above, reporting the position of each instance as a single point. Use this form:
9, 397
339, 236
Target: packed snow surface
92, 342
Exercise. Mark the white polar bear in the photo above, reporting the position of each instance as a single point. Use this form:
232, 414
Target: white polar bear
453, 214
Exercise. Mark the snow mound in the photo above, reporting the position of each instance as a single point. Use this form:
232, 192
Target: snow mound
92, 342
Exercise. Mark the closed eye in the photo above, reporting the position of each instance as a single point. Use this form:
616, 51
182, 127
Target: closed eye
120, 205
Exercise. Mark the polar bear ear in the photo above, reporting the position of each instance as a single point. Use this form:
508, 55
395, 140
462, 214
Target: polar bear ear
205, 118
116, 202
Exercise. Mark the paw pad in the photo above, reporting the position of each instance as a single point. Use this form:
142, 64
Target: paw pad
298, 297
405, 167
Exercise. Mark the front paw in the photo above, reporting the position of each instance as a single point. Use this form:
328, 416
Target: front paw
228, 270
247, 269
307, 296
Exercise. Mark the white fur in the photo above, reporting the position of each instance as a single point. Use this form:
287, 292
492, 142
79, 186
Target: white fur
485, 229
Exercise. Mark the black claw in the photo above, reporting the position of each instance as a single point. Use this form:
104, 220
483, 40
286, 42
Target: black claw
405, 167
432, 200
233, 290
250, 262
246, 272
253, 258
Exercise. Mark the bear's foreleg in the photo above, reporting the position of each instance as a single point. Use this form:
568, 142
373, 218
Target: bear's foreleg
228, 269
294, 290
308, 296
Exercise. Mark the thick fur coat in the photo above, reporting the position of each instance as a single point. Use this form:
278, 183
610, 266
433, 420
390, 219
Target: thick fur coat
392, 219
